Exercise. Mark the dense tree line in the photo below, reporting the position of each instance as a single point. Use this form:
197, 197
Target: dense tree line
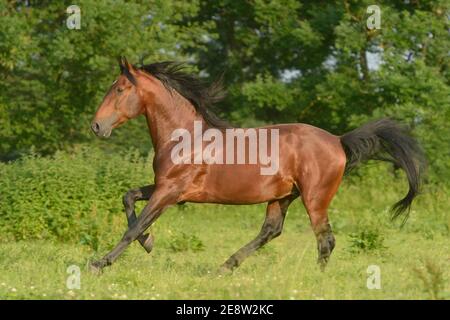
283, 61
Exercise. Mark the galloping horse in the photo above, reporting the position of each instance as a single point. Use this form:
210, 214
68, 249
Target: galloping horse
311, 164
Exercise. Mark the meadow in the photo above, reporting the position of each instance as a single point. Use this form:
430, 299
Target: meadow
66, 210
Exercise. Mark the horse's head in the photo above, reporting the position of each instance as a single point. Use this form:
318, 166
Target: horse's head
122, 102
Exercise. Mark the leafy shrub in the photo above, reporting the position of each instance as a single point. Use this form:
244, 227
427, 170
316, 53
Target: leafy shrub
77, 197
185, 242
67, 197
366, 240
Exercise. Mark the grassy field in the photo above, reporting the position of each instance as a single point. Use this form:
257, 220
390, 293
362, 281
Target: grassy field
193, 240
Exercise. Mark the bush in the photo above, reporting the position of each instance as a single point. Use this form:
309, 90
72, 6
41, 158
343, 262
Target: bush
77, 197
68, 197
184, 242
366, 240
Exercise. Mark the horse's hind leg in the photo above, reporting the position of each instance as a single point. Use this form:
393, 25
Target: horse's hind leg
272, 227
317, 194
129, 200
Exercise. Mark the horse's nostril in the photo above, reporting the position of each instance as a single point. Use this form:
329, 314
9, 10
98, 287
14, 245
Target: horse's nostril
95, 127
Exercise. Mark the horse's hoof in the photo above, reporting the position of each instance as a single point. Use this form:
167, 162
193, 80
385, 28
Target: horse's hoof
322, 263
96, 267
146, 241
224, 270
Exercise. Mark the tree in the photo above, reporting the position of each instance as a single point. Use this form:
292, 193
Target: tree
54, 77
284, 61
317, 62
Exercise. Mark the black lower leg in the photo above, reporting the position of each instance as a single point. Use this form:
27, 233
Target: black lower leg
129, 200
267, 233
272, 227
325, 244
142, 223
162, 197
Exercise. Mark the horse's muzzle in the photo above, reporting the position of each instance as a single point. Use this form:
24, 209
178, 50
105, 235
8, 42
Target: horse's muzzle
101, 130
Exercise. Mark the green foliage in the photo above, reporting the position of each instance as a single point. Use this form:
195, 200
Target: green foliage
76, 197
366, 241
68, 197
184, 242
67, 209
316, 62
56, 77
284, 61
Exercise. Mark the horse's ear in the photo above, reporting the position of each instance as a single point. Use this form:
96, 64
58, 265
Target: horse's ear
123, 64
125, 68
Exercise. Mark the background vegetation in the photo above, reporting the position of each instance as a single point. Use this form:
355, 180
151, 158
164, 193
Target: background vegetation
283, 61
66, 210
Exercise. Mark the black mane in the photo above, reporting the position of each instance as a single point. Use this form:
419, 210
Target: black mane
202, 96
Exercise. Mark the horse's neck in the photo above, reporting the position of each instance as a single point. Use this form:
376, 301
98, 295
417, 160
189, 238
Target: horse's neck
169, 114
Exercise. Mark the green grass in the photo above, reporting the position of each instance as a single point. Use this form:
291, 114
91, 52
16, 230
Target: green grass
67, 210
285, 269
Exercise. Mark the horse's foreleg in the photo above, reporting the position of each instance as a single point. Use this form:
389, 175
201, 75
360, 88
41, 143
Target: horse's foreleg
129, 200
272, 227
161, 199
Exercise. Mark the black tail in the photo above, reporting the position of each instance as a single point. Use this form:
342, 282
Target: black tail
386, 140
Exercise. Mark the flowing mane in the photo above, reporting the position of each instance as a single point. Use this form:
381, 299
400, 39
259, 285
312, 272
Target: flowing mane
202, 96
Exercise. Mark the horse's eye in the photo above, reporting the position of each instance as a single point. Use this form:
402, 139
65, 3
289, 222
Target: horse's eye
119, 89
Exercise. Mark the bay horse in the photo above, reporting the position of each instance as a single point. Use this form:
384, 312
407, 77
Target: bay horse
312, 162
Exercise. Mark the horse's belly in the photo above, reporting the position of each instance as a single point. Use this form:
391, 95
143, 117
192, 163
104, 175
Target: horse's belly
241, 184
